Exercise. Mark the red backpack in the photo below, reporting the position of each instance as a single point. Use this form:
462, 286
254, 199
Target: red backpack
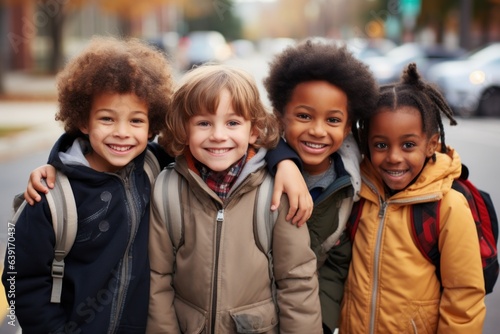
425, 227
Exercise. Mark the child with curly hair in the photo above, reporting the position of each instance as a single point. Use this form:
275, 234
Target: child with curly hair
392, 287
112, 98
318, 91
217, 279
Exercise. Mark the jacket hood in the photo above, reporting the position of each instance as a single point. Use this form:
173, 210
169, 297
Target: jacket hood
351, 157
435, 178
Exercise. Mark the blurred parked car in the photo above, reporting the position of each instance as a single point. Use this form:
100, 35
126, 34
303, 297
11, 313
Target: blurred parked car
364, 48
471, 85
242, 48
205, 46
389, 68
269, 47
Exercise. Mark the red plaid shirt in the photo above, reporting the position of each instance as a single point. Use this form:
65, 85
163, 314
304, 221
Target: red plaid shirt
220, 182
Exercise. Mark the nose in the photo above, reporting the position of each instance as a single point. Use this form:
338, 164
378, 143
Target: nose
121, 129
219, 133
394, 155
317, 129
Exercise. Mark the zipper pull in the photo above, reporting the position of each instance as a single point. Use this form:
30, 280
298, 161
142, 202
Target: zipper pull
383, 207
220, 215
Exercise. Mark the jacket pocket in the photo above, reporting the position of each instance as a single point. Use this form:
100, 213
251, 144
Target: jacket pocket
192, 320
422, 317
261, 317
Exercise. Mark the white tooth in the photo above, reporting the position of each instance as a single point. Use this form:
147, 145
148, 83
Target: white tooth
314, 145
219, 151
120, 148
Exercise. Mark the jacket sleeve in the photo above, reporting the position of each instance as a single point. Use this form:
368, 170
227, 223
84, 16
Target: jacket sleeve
162, 317
282, 152
27, 271
296, 278
462, 308
332, 276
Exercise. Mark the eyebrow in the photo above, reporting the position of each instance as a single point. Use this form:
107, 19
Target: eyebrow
404, 137
334, 111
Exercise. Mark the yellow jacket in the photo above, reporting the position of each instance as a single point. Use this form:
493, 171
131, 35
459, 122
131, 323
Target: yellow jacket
391, 287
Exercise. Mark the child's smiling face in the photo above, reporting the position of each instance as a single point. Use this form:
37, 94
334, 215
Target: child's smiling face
118, 130
221, 139
398, 145
316, 123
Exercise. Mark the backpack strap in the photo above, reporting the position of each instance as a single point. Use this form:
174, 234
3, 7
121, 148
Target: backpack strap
65, 222
353, 221
425, 229
168, 188
264, 218
151, 166
263, 223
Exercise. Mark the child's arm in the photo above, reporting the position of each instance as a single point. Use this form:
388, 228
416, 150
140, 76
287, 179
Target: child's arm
284, 163
462, 308
289, 180
27, 275
294, 267
35, 184
48, 172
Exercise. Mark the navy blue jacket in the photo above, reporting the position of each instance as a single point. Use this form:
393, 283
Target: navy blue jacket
106, 279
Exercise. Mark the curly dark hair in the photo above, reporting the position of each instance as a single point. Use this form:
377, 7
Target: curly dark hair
316, 60
116, 66
411, 91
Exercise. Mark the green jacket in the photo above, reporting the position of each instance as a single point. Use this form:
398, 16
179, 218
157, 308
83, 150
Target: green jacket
326, 228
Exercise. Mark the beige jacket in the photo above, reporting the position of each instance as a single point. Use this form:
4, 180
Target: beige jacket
391, 287
218, 280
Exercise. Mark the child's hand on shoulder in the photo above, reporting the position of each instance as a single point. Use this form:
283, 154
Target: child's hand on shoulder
289, 180
35, 184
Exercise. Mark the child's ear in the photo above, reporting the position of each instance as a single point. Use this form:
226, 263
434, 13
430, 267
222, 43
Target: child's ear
254, 135
84, 129
347, 130
432, 145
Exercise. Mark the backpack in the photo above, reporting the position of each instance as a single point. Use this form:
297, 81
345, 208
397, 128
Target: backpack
65, 219
425, 227
169, 188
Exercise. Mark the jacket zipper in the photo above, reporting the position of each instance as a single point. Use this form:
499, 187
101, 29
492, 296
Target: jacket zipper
220, 220
381, 215
378, 244
415, 330
123, 279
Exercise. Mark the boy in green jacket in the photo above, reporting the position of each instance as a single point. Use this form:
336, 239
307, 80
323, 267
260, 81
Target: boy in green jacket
318, 90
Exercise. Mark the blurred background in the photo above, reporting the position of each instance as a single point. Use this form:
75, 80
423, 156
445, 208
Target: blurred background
455, 43
38, 36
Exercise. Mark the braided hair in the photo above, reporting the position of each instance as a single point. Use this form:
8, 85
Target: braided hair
411, 91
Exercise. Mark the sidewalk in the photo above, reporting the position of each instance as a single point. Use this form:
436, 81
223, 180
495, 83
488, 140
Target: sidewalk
29, 101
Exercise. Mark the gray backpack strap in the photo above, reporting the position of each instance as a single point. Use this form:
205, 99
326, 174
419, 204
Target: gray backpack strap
65, 222
168, 188
151, 166
264, 220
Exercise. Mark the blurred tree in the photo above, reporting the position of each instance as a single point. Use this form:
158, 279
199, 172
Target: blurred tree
484, 12
212, 15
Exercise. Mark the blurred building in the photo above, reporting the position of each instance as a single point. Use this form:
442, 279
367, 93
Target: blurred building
34, 30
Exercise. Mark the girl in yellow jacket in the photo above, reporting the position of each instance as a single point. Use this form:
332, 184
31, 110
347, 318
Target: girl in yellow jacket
391, 287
